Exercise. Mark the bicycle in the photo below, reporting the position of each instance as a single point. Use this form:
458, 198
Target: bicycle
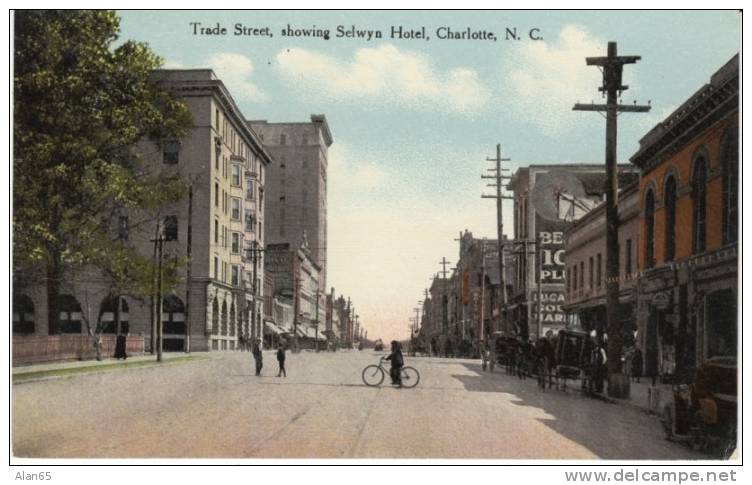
373, 375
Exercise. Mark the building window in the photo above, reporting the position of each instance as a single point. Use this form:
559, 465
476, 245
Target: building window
235, 243
216, 231
235, 209
170, 151
110, 313
574, 277
170, 228
729, 161
599, 276
216, 268
70, 314
235, 278
699, 196
216, 194
628, 259
590, 275
249, 189
236, 175
249, 222
23, 315
173, 315
123, 228
669, 196
582, 275
216, 118
649, 229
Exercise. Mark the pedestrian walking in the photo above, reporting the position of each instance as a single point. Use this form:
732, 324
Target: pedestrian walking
485, 354
281, 361
636, 365
258, 356
120, 345
397, 362
599, 367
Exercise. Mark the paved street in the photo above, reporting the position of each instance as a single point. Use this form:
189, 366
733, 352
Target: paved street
217, 408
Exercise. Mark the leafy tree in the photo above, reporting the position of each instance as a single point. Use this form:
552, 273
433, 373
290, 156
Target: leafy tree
80, 106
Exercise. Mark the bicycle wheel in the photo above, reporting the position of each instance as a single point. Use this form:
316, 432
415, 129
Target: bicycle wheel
373, 375
410, 377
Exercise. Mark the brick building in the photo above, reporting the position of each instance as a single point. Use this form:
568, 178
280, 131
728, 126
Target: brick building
585, 246
687, 296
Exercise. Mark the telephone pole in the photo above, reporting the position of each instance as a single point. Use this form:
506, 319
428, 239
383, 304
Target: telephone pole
255, 251
188, 273
612, 67
317, 320
498, 176
444, 316
159, 240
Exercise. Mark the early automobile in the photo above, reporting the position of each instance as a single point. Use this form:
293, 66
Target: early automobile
703, 413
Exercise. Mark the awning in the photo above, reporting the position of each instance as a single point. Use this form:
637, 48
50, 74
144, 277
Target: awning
273, 328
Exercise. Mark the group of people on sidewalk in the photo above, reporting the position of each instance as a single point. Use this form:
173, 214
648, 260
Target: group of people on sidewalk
258, 358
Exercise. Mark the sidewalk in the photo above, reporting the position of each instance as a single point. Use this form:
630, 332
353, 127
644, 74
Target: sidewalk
35, 372
640, 396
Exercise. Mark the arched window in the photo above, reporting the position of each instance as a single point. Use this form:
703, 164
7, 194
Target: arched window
70, 314
669, 201
23, 315
215, 317
108, 315
232, 319
699, 196
649, 229
729, 161
173, 315
224, 318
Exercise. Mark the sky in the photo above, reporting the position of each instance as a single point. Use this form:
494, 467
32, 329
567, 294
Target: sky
413, 120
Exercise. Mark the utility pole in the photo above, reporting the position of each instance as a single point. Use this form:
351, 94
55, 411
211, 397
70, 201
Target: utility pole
539, 279
612, 67
154, 304
317, 320
296, 311
160, 250
348, 326
255, 251
498, 176
444, 316
188, 273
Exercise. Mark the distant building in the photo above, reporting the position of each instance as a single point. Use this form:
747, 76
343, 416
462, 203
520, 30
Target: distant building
689, 230
585, 246
295, 277
465, 306
296, 186
548, 199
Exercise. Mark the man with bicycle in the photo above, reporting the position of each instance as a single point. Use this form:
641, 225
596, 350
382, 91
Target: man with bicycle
397, 362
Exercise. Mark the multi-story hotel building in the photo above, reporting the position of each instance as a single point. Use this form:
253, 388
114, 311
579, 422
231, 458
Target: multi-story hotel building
218, 295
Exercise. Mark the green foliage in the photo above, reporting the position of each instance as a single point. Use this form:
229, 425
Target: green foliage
80, 106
